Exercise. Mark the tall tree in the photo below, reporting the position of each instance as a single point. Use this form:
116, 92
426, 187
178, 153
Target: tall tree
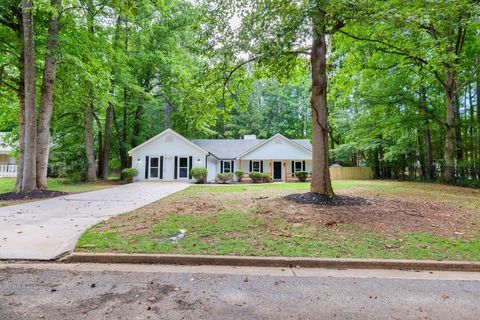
29, 157
48, 89
89, 133
275, 33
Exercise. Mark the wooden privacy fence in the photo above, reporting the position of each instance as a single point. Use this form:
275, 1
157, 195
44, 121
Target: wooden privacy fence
351, 173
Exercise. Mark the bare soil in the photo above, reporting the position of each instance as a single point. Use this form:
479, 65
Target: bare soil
383, 213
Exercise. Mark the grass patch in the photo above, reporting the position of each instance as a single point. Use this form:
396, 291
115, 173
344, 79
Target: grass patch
239, 233
8, 184
236, 224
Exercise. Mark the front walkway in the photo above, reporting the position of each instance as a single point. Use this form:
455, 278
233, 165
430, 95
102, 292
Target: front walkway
43, 230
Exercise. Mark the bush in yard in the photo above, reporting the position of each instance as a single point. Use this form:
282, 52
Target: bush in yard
473, 183
256, 177
199, 174
74, 177
225, 177
301, 175
239, 175
266, 177
129, 173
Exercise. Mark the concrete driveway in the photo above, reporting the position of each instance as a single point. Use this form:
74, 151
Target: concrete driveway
43, 230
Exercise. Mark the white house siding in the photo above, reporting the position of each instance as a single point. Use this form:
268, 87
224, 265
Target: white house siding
288, 162
278, 148
212, 168
277, 152
169, 145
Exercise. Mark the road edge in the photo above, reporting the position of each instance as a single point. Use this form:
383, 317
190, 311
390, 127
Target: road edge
285, 262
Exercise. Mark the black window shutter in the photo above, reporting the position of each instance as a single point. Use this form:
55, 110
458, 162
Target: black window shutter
250, 166
261, 166
206, 162
221, 166
293, 168
190, 159
161, 168
176, 167
232, 169
303, 166
146, 166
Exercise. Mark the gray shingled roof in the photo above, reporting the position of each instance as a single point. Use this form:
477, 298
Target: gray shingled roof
230, 149
227, 149
304, 143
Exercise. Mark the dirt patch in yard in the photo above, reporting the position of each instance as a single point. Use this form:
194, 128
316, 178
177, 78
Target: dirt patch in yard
380, 213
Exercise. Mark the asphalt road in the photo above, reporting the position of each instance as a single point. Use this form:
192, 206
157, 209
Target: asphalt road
54, 291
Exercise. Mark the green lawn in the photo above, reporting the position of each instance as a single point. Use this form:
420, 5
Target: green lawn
220, 220
8, 184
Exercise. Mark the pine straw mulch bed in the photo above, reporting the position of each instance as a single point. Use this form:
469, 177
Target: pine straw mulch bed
32, 195
386, 214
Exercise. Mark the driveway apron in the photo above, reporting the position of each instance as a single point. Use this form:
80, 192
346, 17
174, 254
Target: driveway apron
43, 230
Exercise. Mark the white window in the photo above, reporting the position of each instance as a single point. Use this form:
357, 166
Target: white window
298, 166
255, 166
227, 166
183, 167
154, 167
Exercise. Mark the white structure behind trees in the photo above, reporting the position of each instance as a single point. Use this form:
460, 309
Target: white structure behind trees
170, 156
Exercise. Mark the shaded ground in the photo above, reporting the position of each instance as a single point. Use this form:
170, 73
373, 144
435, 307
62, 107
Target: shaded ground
153, 294
374, 219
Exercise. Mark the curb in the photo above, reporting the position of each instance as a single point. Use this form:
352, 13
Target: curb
285, 262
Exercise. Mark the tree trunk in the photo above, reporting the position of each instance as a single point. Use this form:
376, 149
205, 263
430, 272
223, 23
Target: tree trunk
321, 182
91, 174
450, 93
458, 140
478, 115
106, 141
167, 115
478, 92
428, 149
21, 101
421, 157
46, 104
123, 135
99, 156
429, 153
89, 143
121, 148
137, 125
29, 159
470, 135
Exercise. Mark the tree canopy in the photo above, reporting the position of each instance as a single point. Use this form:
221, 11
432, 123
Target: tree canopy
389, 84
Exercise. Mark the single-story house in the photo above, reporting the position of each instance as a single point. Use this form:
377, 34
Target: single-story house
8, 166
170, 156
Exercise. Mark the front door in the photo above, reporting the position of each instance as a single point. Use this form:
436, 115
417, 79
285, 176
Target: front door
277, 170
168, 168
